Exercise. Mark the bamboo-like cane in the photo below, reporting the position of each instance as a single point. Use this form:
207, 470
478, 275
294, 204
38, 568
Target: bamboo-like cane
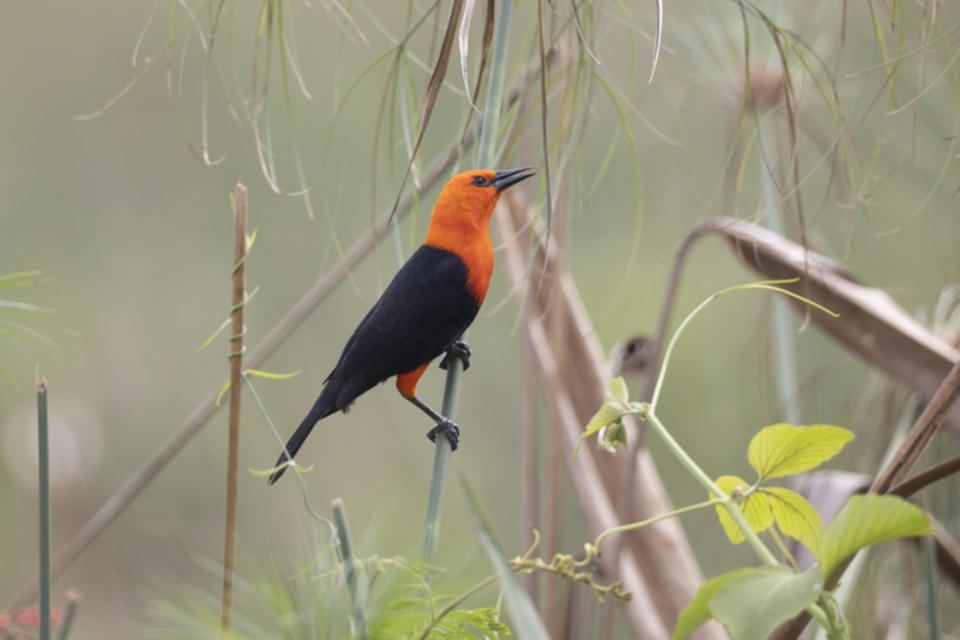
236, 380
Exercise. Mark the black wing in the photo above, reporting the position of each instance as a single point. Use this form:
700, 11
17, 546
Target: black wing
422, 312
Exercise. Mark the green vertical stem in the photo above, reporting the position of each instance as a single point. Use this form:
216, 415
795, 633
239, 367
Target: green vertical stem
351, 570
783, 344
498, 71
43, 442
451, 390
441, 467
73, 598
930, 578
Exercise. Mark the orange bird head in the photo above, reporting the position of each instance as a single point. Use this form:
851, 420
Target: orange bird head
460, 222
466, 202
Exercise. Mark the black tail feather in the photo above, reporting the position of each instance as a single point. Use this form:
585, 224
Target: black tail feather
319, 411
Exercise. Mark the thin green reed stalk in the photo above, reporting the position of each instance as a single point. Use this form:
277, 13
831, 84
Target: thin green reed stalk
783, 343
43, 442
73, 599
451, 390
351, 570
930, 580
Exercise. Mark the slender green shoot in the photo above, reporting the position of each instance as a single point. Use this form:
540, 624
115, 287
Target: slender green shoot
498, 67
43, 442
783, 342
441, 468
930, 581
351, 570
73, 599
766, 285
662, 516
451, 391
732, 507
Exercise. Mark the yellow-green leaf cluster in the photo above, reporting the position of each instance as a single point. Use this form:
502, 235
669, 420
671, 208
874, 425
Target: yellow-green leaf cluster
777, 451
765, 505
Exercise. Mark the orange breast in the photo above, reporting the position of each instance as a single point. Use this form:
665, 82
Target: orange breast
474, 247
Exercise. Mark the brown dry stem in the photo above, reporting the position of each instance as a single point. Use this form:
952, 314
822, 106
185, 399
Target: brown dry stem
236, 373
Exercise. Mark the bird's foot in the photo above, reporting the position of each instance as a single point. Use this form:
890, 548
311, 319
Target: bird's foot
458, 349
447, 428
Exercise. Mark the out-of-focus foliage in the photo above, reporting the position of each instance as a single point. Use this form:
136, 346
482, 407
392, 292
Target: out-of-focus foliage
272, 602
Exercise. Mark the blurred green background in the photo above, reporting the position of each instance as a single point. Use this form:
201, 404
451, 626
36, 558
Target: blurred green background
135, 237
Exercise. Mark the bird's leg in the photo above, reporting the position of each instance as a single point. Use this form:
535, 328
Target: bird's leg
444, 425
458, 349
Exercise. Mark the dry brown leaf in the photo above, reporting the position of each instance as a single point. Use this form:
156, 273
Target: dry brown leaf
871, 323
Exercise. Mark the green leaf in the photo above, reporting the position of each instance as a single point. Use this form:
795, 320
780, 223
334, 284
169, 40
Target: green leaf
271, 376
755, 508
867, 520
612, 435
616, 404
796, 517
602, 418
751, 605
523, 615
266, 473
483, 619
617, 392
782, 450
697, 612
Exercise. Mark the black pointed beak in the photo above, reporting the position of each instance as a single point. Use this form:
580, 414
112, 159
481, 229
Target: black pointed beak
510, 177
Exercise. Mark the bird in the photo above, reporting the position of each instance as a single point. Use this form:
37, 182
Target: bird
424, 311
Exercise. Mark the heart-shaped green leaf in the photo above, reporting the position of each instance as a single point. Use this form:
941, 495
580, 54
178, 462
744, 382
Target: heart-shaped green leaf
751, 605
867, 520
698, 611
782, 450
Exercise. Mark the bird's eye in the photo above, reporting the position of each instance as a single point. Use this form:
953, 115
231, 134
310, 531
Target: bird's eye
479, 181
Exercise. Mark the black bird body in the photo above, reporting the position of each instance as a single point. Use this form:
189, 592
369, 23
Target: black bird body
422, 312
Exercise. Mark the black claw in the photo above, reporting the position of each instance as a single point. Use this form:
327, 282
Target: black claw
447, 428
458, 349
